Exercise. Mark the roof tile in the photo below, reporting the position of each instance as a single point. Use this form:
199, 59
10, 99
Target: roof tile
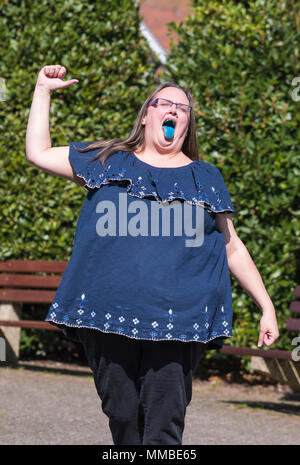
157, 13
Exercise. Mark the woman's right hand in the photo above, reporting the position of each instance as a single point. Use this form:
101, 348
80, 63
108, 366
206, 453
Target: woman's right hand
51, 76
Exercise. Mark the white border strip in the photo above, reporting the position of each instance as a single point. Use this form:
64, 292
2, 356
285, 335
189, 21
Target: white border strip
153, 43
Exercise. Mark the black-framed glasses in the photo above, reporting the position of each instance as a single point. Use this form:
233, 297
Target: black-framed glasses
165, 103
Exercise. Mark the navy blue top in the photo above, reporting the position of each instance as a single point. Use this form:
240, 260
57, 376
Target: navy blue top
148, 261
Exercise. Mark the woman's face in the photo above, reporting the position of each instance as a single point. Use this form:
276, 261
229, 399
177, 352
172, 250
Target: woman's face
155, 136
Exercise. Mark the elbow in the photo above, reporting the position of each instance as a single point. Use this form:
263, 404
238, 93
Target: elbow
29, 159
234, 245
30, 155
30, 150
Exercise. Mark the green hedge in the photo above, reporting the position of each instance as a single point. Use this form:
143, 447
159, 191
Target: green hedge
100, 44
239, 62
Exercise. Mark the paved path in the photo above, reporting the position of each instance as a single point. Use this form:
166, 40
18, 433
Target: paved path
62, 407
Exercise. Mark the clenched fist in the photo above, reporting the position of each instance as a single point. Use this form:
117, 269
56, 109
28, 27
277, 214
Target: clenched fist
51, 77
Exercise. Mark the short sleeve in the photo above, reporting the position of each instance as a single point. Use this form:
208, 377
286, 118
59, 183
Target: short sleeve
223, 192
81, 162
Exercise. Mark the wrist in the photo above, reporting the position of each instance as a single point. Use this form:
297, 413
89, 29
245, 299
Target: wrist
41, 89
268, 310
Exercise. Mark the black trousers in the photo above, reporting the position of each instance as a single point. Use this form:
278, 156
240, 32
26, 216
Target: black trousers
145, 386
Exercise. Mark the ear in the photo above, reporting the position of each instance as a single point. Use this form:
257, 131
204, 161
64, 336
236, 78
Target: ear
143, 122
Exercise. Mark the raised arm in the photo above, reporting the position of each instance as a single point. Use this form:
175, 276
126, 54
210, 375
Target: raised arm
53, 160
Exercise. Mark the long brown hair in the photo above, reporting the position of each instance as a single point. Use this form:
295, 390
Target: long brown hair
136, 140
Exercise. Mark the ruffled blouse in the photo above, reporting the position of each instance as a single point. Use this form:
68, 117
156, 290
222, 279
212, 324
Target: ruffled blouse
148, 261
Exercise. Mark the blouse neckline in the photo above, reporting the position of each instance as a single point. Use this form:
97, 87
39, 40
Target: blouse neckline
162, 167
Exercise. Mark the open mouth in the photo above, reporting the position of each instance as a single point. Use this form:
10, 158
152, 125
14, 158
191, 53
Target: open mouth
168, 128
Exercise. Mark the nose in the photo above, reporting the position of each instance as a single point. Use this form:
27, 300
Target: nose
173, 108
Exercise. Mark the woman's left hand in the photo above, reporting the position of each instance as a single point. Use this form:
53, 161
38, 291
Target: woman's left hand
268, 329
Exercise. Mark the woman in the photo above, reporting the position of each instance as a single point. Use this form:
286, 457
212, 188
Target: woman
143, 298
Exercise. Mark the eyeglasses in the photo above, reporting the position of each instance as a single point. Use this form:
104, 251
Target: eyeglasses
164, 103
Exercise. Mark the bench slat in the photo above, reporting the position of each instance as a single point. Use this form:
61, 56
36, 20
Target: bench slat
292, 324
33, 265
26, 280
266, 353
29, 324
25, 295
295, 307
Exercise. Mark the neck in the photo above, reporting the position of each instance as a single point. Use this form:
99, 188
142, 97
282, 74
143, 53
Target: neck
155, 155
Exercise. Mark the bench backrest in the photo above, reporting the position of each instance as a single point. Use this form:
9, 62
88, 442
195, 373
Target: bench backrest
34, 281
293, 324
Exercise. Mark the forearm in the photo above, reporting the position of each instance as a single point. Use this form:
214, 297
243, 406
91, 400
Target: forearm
38, 134
243, 269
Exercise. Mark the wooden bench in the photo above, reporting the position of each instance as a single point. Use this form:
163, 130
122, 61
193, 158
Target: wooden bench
37, 281
25, 281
